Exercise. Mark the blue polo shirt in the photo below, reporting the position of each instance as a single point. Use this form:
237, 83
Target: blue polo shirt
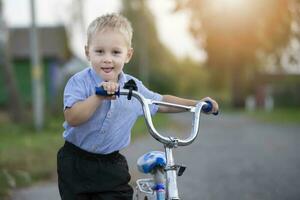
109, 128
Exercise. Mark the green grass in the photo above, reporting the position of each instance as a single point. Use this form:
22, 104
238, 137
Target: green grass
160, 121
278, 115
27, 156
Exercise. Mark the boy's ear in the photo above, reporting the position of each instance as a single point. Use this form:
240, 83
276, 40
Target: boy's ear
129, 55
86, 50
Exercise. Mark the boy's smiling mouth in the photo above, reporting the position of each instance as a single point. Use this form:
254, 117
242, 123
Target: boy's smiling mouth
107, 69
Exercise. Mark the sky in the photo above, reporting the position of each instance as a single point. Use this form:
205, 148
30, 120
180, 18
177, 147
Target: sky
172, 27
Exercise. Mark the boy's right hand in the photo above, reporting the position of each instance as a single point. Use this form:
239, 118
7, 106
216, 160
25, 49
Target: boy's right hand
111, 88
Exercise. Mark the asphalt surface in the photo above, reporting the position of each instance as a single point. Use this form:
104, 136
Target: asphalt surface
233, 158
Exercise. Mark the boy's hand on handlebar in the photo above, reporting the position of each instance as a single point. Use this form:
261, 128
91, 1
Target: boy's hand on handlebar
111, 88
215, 108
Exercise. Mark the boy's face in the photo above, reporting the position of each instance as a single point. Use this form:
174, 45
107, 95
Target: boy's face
108, 51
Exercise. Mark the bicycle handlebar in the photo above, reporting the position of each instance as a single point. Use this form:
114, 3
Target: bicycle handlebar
169, 141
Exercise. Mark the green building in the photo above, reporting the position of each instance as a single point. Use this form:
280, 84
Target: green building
55, 53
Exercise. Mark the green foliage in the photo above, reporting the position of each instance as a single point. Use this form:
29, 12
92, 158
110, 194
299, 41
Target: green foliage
234, 35
166, 73
286, 92
152, 62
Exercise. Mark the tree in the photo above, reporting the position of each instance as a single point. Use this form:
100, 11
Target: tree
152, 62
233, 35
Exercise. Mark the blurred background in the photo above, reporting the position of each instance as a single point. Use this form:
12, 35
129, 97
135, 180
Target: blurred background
243, 53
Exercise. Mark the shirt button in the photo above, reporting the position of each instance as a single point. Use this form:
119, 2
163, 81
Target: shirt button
102, 132
109, 114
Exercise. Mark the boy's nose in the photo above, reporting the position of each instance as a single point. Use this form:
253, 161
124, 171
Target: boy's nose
107, 59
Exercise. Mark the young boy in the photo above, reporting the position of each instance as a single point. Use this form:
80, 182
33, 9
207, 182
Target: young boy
96, 127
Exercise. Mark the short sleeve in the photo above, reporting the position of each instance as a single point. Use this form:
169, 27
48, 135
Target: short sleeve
74, 91
149, 95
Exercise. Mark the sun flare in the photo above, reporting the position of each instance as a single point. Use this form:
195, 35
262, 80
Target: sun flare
234, 4
229, 5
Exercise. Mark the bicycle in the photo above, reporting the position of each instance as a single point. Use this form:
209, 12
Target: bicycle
161, 165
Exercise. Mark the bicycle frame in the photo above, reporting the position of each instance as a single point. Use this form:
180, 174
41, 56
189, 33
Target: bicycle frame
169, 142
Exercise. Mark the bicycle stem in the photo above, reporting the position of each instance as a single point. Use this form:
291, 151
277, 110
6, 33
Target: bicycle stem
171, 175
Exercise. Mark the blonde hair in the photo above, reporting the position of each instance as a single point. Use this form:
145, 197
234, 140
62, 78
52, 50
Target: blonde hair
114, 21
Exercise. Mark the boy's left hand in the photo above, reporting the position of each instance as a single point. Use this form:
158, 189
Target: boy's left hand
111, 88
215, 105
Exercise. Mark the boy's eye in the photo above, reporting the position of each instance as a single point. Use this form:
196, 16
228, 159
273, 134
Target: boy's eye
116, 52
99, 51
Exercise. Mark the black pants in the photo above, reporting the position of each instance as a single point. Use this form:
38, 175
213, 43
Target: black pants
87, 176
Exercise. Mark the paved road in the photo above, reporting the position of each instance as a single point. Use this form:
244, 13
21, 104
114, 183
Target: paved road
233, 158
